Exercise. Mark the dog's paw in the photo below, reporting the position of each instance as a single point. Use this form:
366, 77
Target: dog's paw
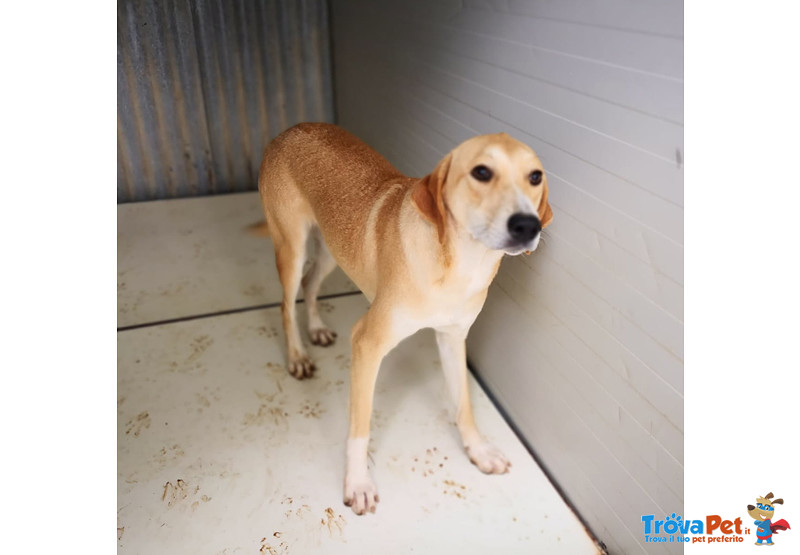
301, 367
360, 494
488, 458
322, 336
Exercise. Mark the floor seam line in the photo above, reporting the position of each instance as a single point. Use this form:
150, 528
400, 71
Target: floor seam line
492, 396
227, 312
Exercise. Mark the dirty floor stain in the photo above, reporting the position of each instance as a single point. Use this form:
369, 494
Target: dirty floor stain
220, 451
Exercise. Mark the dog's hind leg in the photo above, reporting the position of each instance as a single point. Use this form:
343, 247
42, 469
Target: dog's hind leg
290, 245
323, 265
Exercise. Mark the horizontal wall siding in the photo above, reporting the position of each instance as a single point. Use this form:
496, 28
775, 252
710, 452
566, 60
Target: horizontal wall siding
204, 85
582, 342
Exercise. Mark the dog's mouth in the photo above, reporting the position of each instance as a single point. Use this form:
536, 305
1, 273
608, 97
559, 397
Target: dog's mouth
516, 251
514, 248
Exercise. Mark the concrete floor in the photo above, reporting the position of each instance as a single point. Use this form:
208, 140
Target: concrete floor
221, 451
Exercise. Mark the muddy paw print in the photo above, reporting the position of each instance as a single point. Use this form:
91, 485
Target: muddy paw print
269, 333
454, 488
431, 463
267, 415
168, 454
335, 523
310, 410
177, 492
199, 346
270, 549
135, 426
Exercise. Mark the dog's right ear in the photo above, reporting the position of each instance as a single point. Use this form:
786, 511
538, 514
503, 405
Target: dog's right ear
428, 196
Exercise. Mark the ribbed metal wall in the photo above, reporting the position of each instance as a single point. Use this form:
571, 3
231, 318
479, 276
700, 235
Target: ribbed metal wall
203, 86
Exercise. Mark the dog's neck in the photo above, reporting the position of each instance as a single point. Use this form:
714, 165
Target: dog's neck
459, 256
470, 257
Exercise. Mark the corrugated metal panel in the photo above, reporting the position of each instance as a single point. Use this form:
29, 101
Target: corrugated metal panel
203, 86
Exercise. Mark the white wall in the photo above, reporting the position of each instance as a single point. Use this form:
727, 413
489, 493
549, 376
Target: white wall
582, 342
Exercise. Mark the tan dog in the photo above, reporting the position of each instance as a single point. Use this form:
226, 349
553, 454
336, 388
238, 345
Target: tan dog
423, 251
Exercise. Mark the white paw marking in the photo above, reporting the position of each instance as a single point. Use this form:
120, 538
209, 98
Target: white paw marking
322, 336
361, 494
488, 458
301, 367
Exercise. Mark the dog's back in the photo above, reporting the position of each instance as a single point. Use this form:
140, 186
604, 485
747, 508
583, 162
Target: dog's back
328, 167
320, 174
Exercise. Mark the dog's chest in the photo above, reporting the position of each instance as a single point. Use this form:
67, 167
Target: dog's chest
474, 268
459, 296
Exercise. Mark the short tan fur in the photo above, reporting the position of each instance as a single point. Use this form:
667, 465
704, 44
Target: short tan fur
423, 250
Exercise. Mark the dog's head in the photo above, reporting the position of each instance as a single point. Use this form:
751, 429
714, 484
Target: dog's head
492, 186
764, 508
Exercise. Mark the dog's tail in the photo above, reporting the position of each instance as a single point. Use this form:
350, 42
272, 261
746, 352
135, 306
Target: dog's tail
259, 229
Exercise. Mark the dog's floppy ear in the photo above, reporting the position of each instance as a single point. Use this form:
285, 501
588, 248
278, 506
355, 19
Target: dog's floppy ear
545, 212
428, 196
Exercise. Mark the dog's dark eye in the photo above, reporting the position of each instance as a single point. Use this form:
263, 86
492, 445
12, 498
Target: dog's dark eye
481, 173
535, 177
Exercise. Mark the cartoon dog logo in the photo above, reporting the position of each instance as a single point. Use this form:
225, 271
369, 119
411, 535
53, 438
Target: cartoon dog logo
762, 514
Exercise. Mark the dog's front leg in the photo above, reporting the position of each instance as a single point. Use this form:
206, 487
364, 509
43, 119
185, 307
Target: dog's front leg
372, 338
453, 354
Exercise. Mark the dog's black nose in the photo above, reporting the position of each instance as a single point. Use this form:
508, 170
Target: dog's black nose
523, 227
